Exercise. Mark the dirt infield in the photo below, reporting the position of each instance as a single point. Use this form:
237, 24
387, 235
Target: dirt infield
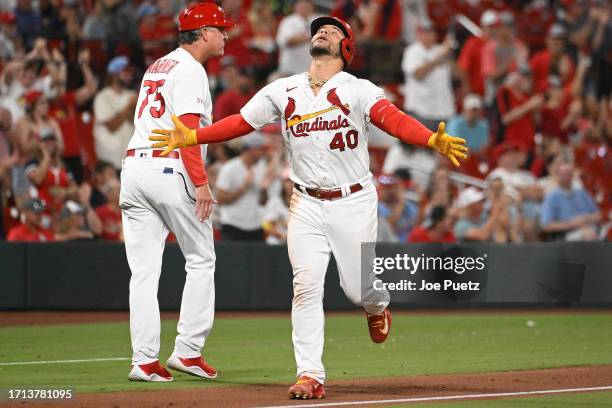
26, 318
354, 390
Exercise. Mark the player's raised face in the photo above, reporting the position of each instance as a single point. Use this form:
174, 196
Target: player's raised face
326, 41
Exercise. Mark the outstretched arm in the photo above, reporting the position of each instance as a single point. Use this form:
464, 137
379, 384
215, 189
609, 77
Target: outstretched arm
228, 128
390, 119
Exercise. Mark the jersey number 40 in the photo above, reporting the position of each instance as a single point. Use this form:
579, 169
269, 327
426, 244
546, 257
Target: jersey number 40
153, 87
338, 142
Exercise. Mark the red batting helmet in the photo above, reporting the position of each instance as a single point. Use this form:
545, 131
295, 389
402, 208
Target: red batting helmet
202, 15
347, 45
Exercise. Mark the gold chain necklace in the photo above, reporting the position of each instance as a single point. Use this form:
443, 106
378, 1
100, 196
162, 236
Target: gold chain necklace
315, 84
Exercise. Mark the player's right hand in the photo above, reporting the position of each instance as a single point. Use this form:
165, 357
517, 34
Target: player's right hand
180, 136
204, 202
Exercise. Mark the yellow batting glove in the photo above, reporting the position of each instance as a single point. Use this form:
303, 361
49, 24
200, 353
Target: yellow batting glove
180, 136
449, 146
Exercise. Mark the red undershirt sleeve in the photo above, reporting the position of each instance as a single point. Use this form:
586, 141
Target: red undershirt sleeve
390, 119
227, 128
192, 155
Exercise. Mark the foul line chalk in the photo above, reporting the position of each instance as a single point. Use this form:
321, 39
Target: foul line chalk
89, 360
449, 397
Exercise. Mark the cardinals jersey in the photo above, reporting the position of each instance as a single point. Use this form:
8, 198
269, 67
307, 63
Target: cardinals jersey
326, 135
174, 84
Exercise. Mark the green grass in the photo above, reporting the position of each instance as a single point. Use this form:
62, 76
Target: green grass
587, 400
259, 350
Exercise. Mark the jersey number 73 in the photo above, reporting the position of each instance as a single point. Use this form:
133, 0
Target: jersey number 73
153, 87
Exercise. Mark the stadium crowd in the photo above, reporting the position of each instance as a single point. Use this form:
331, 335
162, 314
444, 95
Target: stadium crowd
525, 82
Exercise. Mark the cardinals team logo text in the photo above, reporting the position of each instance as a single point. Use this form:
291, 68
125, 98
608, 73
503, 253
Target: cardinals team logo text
301, 125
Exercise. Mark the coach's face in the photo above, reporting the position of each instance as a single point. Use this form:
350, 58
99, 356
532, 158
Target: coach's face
326, 41
216, 38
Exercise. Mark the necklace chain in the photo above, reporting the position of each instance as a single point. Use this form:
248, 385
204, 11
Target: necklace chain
314, 83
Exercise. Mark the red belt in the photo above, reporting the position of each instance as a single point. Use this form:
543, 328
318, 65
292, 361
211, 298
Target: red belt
156, 153
331, 194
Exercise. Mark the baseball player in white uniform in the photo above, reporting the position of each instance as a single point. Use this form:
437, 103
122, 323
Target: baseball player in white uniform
325, 115
171, 193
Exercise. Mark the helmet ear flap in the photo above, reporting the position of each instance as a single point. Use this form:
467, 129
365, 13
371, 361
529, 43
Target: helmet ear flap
347, 51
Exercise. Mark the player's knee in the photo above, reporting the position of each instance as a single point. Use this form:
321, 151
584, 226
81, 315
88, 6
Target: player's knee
307, 292
199, 265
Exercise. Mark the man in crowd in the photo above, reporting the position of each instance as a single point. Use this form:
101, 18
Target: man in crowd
470, 57
114, 112
293, 38
517, 106
428, 89
570, 212
31, 228
471, 124
399, 213
491, 224
239, 192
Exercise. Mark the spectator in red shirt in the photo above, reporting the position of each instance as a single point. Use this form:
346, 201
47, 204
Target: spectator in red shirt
48, 174
470, 57
517, 107
552, 61
436, 228
555, 121
235, 96
31, 228
63, 108
110, 213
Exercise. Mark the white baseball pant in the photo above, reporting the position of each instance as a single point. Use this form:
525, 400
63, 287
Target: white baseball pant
157, 196
316, 229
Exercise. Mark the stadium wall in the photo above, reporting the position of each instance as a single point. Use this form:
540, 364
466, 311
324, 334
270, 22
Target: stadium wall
250, 276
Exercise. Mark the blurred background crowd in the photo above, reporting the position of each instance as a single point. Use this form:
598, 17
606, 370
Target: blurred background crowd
525, 82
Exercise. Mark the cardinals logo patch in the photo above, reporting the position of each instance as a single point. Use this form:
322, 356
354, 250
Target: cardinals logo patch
299, 125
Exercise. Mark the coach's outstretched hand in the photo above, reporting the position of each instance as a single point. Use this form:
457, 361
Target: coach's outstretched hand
449, 146
180, 136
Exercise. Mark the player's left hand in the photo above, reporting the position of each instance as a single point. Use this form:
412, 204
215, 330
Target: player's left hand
180, 136
447, 145
204, 202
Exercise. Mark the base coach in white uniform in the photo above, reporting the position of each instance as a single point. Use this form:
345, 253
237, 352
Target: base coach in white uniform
325, 115
171, 193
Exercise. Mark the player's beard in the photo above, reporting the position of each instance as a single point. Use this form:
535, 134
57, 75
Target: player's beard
317, 51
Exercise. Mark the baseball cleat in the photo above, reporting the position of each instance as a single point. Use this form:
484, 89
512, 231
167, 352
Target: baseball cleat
306, 388
154, 372
193, 366
379, 326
